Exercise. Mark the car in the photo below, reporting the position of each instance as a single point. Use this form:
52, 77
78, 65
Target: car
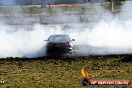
59, 45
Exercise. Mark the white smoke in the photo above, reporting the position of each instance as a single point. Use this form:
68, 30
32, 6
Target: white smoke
19, 42
111, 35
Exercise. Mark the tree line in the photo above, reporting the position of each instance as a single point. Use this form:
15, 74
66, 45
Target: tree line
40, 2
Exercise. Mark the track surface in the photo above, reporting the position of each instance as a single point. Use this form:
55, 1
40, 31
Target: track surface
123, 57
86, 50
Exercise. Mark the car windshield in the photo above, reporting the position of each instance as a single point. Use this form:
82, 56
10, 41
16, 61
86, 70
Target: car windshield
59, 38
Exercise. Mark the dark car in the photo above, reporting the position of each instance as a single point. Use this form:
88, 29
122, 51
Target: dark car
58, 45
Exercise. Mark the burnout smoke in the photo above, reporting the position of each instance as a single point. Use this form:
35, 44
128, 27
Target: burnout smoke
111, 35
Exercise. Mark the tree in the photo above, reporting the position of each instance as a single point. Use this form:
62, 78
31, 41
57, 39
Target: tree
115, 3
43, 3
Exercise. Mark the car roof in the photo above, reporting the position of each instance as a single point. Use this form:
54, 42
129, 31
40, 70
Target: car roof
58, 35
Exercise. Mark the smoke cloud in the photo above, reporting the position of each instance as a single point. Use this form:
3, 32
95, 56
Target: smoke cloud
111, 35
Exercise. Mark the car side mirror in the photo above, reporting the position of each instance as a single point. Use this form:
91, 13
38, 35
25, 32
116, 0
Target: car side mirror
45, 40
73, 40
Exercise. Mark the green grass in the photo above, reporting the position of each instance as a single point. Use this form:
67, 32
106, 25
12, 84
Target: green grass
39, 10
61, 73
67, 8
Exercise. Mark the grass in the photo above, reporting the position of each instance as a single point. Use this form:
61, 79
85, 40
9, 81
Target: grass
61, 73
39, 10
62, 8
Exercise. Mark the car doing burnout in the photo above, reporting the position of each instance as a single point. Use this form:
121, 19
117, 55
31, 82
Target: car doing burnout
59, 45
